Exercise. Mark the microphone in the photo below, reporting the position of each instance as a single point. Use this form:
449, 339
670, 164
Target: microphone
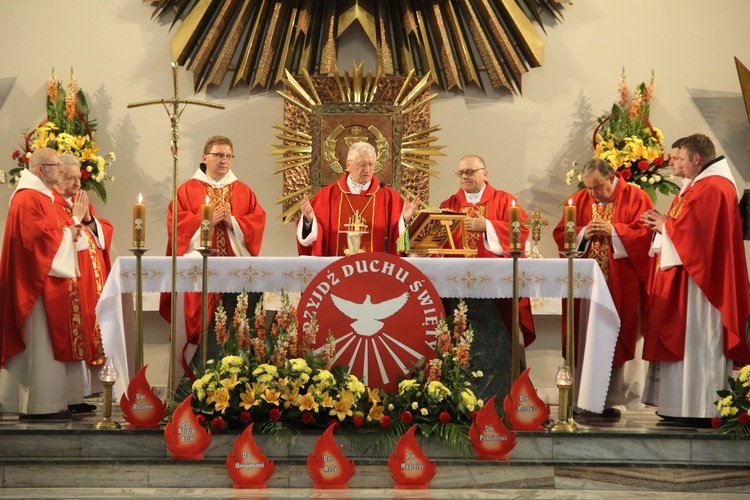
386, 247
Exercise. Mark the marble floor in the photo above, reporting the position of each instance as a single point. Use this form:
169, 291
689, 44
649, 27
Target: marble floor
625, 458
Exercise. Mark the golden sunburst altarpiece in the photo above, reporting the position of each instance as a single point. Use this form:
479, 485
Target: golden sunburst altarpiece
323, 116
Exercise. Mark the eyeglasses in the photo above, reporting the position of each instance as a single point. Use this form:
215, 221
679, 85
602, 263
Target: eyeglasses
222, 156
468, 172
56, 165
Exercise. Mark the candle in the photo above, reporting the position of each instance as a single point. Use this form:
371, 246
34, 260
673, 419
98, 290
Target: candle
569, 216
139, 223
514, 220
207, 224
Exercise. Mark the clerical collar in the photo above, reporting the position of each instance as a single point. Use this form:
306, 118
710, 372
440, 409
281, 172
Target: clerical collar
474, 198
356, 187
227, 180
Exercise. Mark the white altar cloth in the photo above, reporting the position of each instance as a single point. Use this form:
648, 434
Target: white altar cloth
468, 278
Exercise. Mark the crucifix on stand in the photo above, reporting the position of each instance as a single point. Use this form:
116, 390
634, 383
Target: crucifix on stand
174, 108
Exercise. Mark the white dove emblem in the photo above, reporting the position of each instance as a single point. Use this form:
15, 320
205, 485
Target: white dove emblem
367, 314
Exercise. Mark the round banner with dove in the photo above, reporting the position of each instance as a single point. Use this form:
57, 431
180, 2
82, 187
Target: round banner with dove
382, 312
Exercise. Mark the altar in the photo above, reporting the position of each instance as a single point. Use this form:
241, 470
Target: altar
453, 278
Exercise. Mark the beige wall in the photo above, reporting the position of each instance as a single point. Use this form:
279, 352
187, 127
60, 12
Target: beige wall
121, 56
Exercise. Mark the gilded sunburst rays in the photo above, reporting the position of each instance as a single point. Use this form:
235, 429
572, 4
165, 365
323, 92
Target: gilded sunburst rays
400, 101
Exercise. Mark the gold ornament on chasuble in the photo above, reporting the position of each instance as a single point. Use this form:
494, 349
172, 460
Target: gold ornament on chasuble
219, 198
77, 335
470, 239
599, 248
75, 322
324, 116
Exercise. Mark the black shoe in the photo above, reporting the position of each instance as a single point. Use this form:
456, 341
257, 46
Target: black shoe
60, 415
82, 408
666, 418
697, 422
611, 413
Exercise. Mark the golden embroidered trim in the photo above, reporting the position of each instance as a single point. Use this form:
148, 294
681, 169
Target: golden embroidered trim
599, 248
220, 199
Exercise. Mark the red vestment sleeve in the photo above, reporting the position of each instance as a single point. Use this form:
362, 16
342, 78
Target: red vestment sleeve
31, 239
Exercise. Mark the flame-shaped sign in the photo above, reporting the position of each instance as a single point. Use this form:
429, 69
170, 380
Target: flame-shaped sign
328, 466
524, 408
489, 436
186, 438
410, 468
248, 467
140, 406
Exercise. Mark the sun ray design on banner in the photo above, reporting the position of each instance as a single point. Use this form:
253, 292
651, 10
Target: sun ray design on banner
256, 41
324, 115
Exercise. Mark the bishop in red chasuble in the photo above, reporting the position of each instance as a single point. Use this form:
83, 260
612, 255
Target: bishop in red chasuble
319, 232
486, 229
609, 231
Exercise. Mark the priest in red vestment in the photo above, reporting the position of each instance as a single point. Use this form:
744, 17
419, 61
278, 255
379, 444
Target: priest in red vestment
93, 262
319, 232
238, 218
42, 339
700, 299
486, 229
610, 231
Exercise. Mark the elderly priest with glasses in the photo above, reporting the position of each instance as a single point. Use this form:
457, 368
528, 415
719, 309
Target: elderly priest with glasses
358, 191
42, 339
487, 230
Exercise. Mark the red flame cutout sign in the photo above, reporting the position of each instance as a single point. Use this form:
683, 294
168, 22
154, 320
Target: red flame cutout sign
489, 436
186, 438
410, 468
140, 406
524, 408
248, 467
328, 466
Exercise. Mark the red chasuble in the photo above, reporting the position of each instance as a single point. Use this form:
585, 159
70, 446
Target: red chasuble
33, 234
334, 205
94, 265
493, 206
627, 278
706, 230
242, 203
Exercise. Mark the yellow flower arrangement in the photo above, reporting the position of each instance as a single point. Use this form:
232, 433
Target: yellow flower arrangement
734, 406
67, 129
626, 140
289, 388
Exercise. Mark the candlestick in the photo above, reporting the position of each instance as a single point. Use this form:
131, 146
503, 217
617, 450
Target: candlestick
139, 223
207, 224
569, 216
514, 220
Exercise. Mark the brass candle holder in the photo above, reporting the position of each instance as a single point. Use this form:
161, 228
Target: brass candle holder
138, 252
203, 355
108, 376
515, 334
564, 382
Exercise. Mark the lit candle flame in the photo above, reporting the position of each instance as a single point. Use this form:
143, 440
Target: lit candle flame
140, 198
514, 202
208, 200
570, 202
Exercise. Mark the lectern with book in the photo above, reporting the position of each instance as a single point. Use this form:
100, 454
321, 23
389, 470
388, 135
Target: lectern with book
431, 233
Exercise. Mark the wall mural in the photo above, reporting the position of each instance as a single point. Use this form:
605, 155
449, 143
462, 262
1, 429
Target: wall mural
254, 42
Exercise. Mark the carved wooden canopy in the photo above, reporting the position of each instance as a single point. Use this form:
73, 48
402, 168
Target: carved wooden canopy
256, 41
